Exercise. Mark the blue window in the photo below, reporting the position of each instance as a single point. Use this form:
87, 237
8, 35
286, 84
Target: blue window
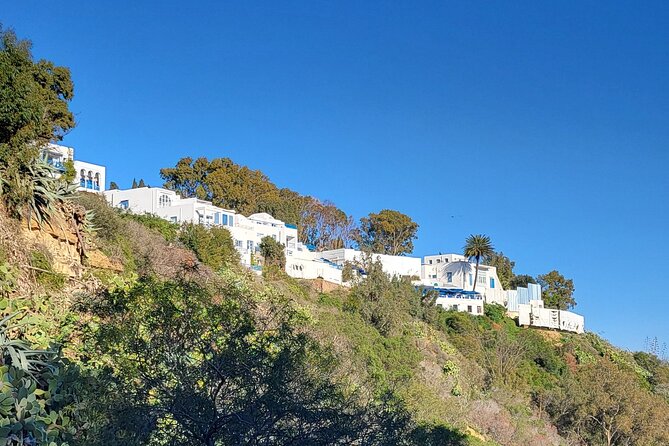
471, 279
230, 221
225, 219
124, 204
449, 277
492, 283
217, 217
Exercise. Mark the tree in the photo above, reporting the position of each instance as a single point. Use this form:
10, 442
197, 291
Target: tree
478, 246
134, 184
504, 267
247, 191
34, 98
603, 404
113, 185
192, 365
141, 183
324, 226
520, 281
557, 291
388, 232
273, 253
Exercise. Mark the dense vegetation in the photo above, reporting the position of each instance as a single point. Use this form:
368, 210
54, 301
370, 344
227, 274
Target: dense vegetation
134, 331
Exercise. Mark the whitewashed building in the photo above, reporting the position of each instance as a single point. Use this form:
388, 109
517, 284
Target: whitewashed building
534, 314
456, 271
90, 177
458, 300
306, 264
400, 266
247, 232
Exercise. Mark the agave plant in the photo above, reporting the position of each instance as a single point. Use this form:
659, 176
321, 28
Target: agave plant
17, 353
35, 190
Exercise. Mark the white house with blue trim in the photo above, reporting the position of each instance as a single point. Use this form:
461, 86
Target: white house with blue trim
247, 232
89, 177
455, 271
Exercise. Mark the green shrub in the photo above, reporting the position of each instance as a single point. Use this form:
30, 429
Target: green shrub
496, 312
37, 401
212, 246
44, 273
273, 253
168, 230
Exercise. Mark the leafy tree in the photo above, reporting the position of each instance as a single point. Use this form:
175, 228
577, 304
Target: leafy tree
388, 232
113, 185
247, 191
557, 291
141, 183
224, 183
603, 404
325, 226
134, 184
478, 247
34, 97
189, 365
504, 267
273, 252
520, 281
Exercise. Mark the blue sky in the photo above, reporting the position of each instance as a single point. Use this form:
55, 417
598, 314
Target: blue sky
542, 124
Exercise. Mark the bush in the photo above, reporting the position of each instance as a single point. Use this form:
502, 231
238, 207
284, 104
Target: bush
44, 273
37, 401
168, 230
273, 253
496, 312
212, 246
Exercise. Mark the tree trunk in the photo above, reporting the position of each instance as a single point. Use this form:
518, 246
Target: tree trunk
476, 274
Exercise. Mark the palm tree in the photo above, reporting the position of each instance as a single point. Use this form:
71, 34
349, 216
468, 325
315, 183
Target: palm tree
478, 246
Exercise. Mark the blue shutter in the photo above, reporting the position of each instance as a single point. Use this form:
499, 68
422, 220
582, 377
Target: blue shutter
471, 279
492, 282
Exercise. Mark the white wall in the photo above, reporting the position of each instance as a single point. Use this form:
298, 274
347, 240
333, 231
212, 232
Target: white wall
90, 177
535, 315
472, 306
93, 175
401, 266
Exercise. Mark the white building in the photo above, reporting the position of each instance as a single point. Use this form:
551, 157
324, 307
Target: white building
247, 232
534, 314
456, 271
459, 300
400, 266
89, 176
305, 264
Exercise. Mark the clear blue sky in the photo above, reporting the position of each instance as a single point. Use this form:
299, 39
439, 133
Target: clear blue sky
542, 124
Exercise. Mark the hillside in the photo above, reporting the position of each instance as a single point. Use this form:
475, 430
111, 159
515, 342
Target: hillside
164, 339
123, 329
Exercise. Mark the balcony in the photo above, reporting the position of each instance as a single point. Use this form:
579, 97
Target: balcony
89, 184
57, 164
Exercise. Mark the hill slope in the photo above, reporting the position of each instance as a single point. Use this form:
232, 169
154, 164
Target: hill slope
168, 341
